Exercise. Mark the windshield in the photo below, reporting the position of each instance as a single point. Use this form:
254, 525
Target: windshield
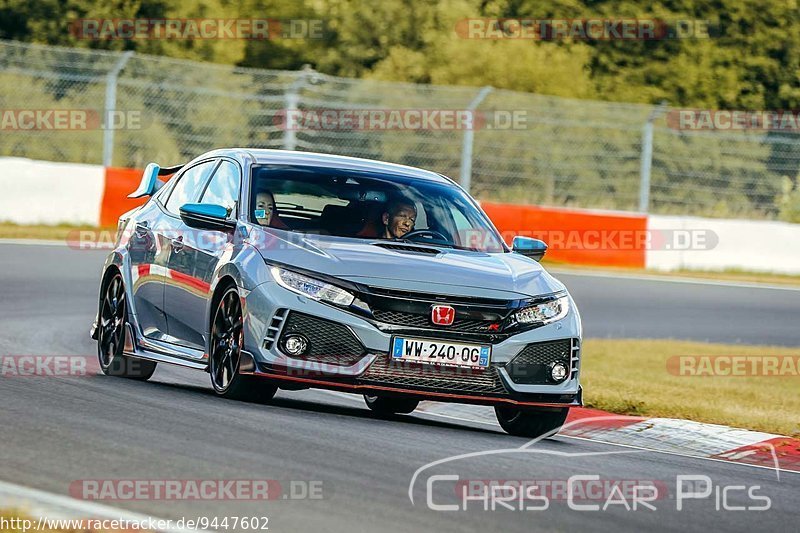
368, 205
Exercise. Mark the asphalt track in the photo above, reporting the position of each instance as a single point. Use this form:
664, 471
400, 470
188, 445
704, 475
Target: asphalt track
59, 430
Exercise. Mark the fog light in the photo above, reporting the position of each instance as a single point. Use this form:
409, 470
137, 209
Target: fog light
558, 372
295, 344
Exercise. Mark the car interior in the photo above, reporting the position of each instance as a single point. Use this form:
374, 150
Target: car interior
341, 206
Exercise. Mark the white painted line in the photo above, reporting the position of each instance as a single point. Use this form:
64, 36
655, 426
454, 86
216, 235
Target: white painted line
673, 279
39, 503
683, 436
739, 435
34, 242
619, 444
678, 454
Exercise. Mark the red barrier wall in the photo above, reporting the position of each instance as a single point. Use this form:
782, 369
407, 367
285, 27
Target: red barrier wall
576, 236
573, 236
120, 182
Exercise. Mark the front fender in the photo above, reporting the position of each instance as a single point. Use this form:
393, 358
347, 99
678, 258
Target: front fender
247, 269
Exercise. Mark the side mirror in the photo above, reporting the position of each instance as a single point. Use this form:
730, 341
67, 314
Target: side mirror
533, 248
207, 216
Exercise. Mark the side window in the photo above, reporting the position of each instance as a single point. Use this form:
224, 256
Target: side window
188, 188
223, 189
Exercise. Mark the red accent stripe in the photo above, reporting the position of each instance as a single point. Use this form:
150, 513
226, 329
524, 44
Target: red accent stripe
432, 395
191, 281
144, 270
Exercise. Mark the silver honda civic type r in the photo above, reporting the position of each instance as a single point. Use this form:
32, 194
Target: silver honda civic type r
274, 269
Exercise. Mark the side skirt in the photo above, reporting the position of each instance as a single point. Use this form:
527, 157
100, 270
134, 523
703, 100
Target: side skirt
161, 353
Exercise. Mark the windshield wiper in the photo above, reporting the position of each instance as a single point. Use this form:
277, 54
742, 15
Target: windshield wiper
430, 243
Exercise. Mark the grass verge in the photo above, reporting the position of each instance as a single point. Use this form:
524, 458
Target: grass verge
631, 377
722, 275
59, 232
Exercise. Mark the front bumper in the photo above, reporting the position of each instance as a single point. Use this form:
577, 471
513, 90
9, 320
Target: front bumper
358, 360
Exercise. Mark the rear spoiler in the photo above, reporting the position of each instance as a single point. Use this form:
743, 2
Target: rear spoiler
150, 183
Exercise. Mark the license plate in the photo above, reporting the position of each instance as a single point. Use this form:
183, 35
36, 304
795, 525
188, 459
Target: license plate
441, 352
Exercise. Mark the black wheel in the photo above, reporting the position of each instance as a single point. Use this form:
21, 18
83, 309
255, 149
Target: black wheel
386, 406
227, 338
111, 336
531, 423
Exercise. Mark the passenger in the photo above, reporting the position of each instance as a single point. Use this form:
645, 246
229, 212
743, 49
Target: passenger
265, 212
399, 219
265, 207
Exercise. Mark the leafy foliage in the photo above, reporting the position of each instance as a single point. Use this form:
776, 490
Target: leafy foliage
750, 59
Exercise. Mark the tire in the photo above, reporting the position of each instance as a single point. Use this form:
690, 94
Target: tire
386, 406
111, 335
531, 423
225, 352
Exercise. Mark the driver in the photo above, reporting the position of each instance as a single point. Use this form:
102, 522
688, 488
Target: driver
399, 219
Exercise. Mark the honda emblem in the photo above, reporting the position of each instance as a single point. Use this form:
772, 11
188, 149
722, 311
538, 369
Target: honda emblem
443, 315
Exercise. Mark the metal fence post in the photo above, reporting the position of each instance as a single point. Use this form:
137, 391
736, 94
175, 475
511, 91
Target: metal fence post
469, 140
111, 107
291, 104
646, 163
292, 99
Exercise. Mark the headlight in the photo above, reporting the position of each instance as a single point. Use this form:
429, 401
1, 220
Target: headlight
313, 288
545, 312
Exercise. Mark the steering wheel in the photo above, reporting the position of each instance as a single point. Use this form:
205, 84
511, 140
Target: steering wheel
430, 233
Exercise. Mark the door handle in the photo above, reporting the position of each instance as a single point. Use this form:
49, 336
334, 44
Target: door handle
141, 229
177, 244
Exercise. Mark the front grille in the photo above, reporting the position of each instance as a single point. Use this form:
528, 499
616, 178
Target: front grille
413, 320
404, 374
328, 341
531, 366
483, 318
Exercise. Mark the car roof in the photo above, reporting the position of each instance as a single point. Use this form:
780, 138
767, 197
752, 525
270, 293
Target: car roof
288, 157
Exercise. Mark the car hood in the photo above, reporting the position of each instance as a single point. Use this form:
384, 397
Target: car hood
456, 272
